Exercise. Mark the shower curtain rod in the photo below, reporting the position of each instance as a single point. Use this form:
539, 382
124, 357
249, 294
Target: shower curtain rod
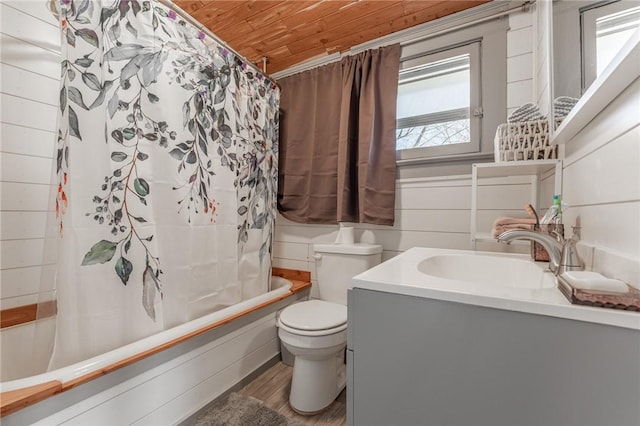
51, 5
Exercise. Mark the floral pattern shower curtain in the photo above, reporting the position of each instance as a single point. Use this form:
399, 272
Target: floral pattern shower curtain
167, 172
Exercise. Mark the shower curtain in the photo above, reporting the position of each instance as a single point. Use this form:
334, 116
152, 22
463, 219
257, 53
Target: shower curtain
167, 171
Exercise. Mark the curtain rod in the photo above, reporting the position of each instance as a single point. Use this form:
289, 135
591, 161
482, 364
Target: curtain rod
51, 5
170, 4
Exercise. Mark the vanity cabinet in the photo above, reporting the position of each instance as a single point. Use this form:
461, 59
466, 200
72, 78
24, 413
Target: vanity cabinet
424, 361
536, 170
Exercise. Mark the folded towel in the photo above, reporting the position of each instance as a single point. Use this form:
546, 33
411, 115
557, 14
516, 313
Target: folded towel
503, 224
526, 112
513, 220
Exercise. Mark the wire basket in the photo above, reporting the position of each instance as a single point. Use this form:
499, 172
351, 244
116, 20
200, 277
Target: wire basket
524, 140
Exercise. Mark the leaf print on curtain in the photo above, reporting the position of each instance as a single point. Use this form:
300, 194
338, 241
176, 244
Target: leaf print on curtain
167, 173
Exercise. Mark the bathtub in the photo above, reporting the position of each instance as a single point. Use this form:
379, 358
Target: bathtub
161, 379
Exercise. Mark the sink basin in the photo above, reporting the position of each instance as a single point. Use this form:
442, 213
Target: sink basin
487, 270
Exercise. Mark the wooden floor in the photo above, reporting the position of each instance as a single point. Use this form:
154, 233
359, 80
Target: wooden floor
272, 388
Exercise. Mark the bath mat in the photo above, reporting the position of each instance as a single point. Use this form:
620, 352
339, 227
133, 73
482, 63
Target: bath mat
239, 410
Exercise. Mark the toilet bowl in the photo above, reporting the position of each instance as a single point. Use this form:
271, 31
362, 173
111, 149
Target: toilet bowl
315, 331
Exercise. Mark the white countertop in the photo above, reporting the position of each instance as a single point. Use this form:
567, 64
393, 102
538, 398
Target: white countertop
400, 275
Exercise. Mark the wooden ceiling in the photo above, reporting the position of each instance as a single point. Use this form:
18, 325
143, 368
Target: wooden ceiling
293, 31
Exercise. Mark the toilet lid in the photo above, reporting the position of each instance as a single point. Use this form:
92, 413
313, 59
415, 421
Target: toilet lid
314, 315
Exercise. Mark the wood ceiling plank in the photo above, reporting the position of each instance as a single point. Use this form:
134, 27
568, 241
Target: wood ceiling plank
377, 25
435, 12
239, 30
398, 24
279, 34
279, 63
291, 31
270, 46
348, 28
361, 11
212, 10
275, 14
314, 13
413, 6
243, 11
282, 52
256, 36
190, 6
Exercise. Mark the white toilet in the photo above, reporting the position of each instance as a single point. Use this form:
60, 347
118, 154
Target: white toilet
315, 331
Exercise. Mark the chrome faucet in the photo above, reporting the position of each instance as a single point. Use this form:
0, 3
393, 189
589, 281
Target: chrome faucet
552, 243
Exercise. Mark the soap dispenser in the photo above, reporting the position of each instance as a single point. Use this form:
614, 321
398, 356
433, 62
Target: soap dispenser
570, 259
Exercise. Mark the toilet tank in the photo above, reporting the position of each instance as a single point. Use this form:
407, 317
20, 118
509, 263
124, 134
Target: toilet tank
336, 264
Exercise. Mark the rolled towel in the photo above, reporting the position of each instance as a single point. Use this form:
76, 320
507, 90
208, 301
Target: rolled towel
562, 106
503, 224
526, 112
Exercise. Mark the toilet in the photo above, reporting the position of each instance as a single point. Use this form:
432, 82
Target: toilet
315, 331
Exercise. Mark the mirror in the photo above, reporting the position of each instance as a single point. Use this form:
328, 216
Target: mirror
587, 35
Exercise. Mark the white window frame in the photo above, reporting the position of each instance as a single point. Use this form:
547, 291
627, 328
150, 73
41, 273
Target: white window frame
588, 17
472, 48
489, 110
572, 52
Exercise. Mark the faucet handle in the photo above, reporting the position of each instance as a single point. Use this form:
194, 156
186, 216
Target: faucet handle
576, 232
557, 235
570, 259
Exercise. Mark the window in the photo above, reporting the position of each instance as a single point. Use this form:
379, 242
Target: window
605, 29
435, 96
451, 98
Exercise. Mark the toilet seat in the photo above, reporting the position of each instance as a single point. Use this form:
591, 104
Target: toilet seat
314, 318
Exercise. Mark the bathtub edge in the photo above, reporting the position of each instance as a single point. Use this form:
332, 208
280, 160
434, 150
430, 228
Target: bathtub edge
15, 400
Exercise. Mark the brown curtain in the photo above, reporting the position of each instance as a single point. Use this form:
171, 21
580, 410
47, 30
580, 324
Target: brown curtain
337, 140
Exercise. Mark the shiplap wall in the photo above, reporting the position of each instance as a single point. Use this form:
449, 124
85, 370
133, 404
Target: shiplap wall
543, 55
29, 86
435, 212
30, 83
520, 60
601, 183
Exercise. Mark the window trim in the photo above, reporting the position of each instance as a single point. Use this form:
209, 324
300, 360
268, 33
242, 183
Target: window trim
493, 73
473, 49
588, 16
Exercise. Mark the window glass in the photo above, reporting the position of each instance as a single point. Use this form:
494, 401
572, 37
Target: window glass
605, 28
434, 87
433, 104
436, 93
612, 32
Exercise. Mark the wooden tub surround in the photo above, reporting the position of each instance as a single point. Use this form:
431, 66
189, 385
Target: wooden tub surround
27, 313
13, 401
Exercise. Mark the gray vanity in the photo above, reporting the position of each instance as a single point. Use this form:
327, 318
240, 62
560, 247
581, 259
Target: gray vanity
427, 350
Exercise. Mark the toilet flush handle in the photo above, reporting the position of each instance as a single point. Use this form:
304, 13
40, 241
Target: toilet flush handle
316, 256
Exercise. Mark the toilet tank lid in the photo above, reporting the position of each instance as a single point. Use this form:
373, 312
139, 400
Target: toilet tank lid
356, 248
